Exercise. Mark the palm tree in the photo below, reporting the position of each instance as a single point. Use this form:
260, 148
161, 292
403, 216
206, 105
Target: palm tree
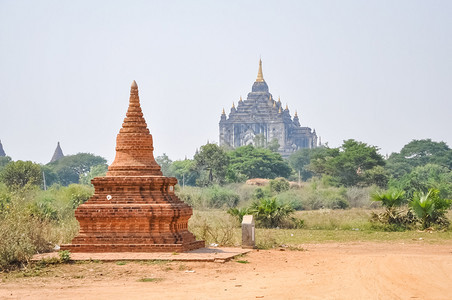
269, 212
430, 208
391, 200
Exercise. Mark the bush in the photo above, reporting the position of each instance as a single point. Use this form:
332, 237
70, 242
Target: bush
270, 213
21, 236
359, 196
219, 228
430, 208
394, 216
210, 197
279, 185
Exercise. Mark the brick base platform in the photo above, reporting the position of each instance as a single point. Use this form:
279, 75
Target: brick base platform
218, 255
101, 248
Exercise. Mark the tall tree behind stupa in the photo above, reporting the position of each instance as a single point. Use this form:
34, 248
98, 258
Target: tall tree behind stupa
2, 152
58, 154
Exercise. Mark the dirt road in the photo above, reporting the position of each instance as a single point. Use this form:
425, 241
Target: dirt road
321, 271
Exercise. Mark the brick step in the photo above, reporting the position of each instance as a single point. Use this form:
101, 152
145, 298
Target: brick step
97, 248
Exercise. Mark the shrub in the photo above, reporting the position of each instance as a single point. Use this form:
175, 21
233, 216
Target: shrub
394, 216
210, 197
430, 208
78, 194
279, 185
238, 213
219, 228
65, 256
21, 236
220, 197
270, 213
359, 196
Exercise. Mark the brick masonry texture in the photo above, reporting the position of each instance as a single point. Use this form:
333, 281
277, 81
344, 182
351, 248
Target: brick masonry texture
134, 208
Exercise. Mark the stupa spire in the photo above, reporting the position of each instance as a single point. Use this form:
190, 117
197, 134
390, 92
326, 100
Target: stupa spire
260, 75
134, 145
2, 152
58, 154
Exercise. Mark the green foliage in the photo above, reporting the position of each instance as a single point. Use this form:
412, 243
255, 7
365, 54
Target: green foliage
21, 236
301, 159
94, 171
250, 162
279, 185
419, 153
222, 197
50, 176
389, 199
394, 216
430, 208
184, 171
422, 178
273, 145
65, 256
43, 210
378, 176
33, 220
18, 174
238, 213
261, 193
4, 160
348, 164
210, 197
316, 195
78, 194
211, 162
214, 227
269, 212
73, 167
165, 163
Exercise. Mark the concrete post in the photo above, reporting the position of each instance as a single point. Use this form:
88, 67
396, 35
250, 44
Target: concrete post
248, 240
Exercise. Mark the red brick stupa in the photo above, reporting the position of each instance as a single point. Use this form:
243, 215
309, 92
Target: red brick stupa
134, 208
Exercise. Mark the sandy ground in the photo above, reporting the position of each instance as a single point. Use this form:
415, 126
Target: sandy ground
320, 271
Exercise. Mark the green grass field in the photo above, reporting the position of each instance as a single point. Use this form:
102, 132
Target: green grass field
321, 226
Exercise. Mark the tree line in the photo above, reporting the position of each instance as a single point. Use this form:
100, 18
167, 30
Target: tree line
420, 165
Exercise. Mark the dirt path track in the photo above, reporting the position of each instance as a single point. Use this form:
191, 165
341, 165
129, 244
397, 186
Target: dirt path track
323, 271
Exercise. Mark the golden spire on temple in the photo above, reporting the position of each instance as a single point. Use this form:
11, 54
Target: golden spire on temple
223, 113
296, 115
279, 99
241, 99
270, 98
287, 107
274, 103
233, 105
260, 76
279, 110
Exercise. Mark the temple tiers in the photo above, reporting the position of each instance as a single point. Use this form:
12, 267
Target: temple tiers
260, 116
58, 154
134, 208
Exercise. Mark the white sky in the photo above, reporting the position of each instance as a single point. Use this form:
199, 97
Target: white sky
376, 71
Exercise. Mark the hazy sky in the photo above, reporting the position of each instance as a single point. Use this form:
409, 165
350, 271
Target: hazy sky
376, 71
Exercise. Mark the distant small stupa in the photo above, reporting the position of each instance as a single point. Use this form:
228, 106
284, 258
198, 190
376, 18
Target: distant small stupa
2, 152
58, 154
